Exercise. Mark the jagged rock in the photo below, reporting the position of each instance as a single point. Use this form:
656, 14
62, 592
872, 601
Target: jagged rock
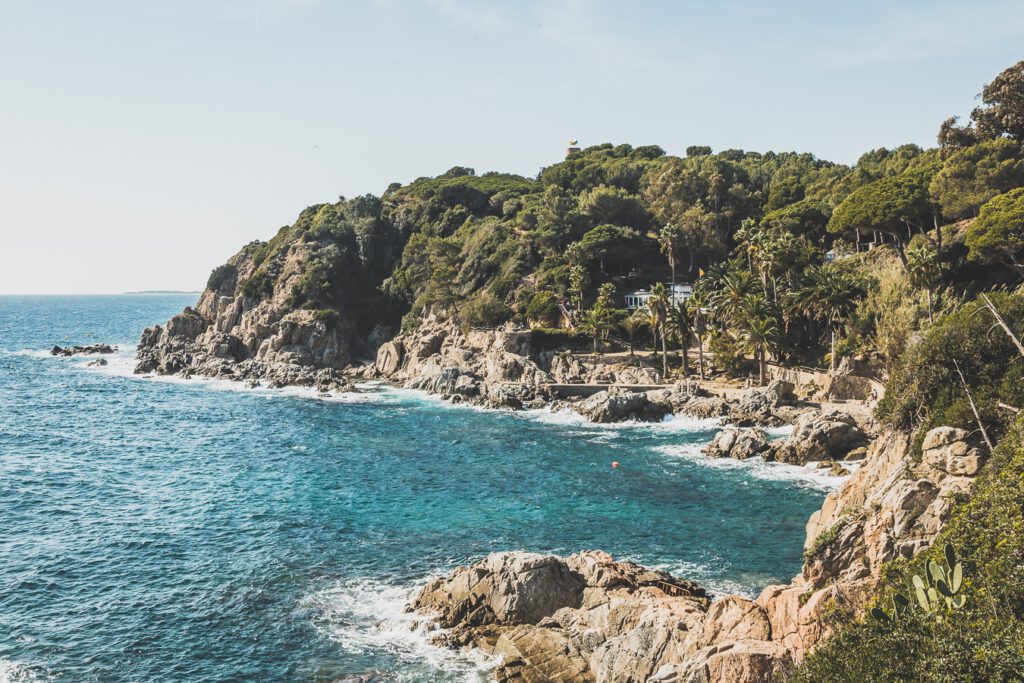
706, 407
742, 660
737, 442
504, 588
819, 436
758, 405
82, 350
947, 450
532, 654
566, 369
616, 405
581, 618
98, 363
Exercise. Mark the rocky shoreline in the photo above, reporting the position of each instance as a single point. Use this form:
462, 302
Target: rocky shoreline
588, 617
500, 369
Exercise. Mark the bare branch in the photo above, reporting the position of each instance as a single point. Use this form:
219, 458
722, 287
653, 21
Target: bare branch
974, 408
1002, 323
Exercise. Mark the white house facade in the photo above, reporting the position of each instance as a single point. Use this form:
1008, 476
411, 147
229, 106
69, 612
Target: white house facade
677, 294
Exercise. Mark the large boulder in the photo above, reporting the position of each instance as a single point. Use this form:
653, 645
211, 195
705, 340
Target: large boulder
505, 588
819, 436
758, 405
581, 618
616, 405
737, 442
389, 357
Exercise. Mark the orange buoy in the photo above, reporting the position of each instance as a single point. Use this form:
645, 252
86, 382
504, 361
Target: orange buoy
615, 464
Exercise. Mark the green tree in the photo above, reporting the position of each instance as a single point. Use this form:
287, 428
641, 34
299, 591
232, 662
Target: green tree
699, 306
658, 305
895, 206
680, 327
829, 294
925, 272
668, 240
631, 324
730, 291
613, 205
601, 316
577, 283
975, 175
998, 234
1002, 109
758, 333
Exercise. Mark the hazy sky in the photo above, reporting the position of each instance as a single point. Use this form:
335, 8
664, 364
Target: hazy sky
142, 143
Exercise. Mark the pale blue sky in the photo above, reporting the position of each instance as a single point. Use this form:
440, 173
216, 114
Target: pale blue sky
142, 142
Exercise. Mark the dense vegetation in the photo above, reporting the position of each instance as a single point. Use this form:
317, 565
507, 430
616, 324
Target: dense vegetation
769, 241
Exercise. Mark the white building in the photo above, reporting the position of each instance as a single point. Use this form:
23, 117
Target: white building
678, 293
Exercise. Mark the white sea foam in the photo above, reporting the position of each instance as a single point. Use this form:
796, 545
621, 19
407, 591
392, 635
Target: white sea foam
122, 364
748, 586
757, 468
671, 423
367, 616
779, 432
13, 672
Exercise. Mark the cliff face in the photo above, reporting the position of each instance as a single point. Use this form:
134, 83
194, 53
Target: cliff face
289, 311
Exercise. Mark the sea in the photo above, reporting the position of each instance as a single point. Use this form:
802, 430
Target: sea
161, 529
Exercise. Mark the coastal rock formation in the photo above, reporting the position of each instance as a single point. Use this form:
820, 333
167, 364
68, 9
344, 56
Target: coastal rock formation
737, 442
819, 436
588, 618
266, 316
82, 350
761, 405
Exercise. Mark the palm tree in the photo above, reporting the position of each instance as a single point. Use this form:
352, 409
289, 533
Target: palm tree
828, 294
699, 307
668, 237
659, 306
601, 315
680, 326
733, 287
758, 337
925, 272
631, 324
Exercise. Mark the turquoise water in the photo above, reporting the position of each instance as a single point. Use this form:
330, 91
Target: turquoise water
169, 530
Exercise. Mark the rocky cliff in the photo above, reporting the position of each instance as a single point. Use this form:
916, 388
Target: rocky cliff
294, 310
588, 618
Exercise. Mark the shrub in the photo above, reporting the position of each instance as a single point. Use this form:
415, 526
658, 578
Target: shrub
925, 390
222, 278
543, 308
728, 356
259, 287
545, 339
822, 540
484, 310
